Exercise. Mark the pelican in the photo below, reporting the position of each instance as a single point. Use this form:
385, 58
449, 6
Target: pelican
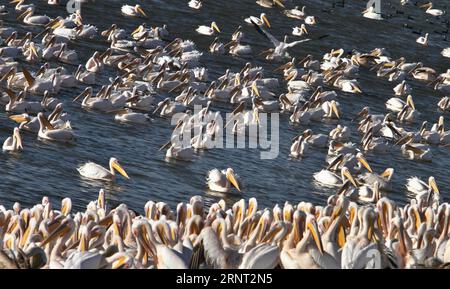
262, 20
128, 116
328, 178
14, 142
383, 180
402, 89
180, 153
20, 6
38, 20
432, 11
371, 14
208, 30
295, 13
195, 4
221, 181
418, 187
300, 31
396, 104
280, 50
423, 40
446, 52
135, 11
94, 171
49, 132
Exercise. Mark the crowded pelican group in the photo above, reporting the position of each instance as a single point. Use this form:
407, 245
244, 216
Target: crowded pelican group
151, 75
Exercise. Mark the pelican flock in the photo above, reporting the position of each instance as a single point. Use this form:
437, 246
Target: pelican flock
66, 84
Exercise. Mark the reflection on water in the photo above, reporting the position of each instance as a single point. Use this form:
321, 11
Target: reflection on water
49, 169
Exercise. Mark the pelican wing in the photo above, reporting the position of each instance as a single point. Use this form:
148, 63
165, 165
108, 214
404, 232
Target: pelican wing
265, 33
263, 256
94, 171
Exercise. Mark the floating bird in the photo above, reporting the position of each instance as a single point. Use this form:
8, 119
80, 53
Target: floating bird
221, 181
94, 171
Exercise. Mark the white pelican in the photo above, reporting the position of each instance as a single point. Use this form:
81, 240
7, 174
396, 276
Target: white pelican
300, 146
128, 116
135, 11
432, 11
423, 40
417, 152
295, 13
180, 153
31, 19
300, 31
310, 20
328, 178
417, 186
221, 181
446, 52
195, 4
396, 104
383, 179
94, 171
14, 142
262, 20
49, 132
371, 14
20, 6
208, 30
402, 89
217, 47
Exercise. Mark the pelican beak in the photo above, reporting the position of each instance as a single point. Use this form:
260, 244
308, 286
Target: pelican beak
266, 20
303, 29
312, 226
59, 231
120, 262
255, 89
433, 185
65, 208
18, 138
137, 30
418, 219
141, 11
410, 102
256, 115
349, 176
119, 168
356, 89
364, 162
365, 11
19, 118
24, 14
215, 27
82, 95
232, 178
56, 24
335, 109
279, 3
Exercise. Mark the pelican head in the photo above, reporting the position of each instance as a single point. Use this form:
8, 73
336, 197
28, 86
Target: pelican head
231, 177
265, 19
360, 157
410, 102
139, 10
345, 174
16, 135
114, 164
214, 26
432, 184
312, 227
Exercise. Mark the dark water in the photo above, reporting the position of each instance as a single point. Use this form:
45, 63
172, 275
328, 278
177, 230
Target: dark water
49, 169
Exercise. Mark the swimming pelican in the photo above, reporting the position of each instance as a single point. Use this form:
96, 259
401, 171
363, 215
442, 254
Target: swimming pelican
371, 14
49, 132
396, 104
20, 6
29, 18
262, 20
432, 11
221, 181
296, 13
328, 178
300, 31
14, 142
417, 186
94, 171
208, 30
423, 40
135, 11
195, 4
